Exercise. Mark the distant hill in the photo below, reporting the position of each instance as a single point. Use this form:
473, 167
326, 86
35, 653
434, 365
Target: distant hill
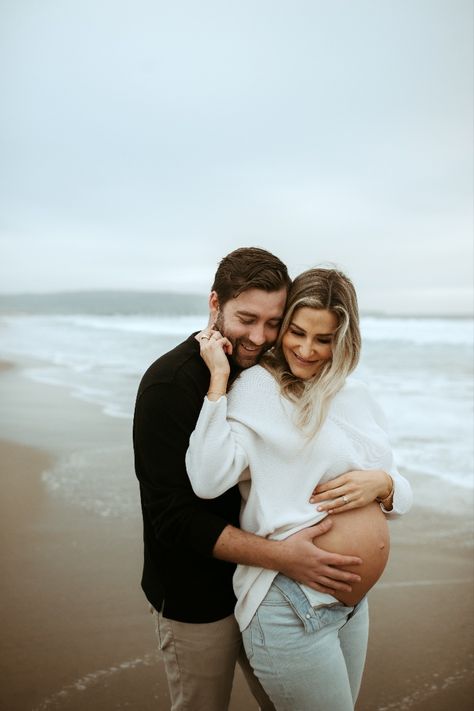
104, 303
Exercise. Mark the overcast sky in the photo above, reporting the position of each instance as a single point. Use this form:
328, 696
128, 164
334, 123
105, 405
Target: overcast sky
143, 140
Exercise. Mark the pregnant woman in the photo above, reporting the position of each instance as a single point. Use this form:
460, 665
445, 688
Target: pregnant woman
295, 420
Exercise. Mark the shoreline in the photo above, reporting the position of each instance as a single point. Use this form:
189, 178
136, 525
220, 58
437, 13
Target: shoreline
77, 633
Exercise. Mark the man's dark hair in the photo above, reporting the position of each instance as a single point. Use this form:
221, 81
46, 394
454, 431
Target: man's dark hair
249, 268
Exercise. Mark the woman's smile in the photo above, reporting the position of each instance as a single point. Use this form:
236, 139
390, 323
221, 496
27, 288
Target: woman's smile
304, 361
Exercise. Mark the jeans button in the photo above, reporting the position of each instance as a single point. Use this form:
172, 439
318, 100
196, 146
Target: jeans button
308, 616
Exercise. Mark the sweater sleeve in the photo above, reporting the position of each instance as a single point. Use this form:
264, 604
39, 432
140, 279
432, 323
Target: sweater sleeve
216, 459
402, 492
164, 419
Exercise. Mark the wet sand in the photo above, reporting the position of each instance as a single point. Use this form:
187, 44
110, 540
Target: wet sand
76, 632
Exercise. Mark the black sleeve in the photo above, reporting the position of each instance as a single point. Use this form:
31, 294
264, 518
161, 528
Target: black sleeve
165, 416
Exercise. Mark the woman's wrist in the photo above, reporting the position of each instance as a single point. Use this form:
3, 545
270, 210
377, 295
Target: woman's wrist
214, 395
386, 495
217, 386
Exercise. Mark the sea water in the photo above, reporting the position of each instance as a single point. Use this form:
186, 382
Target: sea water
419, 369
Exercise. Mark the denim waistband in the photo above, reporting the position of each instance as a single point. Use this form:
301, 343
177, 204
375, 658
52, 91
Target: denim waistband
311, 617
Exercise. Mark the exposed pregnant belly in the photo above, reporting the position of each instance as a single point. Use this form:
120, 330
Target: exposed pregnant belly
362, 532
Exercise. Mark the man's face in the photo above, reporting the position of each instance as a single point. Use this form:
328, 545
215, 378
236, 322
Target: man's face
251, 322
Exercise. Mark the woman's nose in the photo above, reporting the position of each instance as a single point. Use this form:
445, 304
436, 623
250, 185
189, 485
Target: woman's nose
306, 349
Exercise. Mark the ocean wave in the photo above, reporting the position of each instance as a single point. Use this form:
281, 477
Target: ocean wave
157, 325
419, 331
425, 389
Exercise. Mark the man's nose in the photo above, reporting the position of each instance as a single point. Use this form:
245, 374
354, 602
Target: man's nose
257, 335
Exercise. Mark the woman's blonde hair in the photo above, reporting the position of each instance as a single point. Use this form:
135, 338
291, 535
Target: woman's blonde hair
326, 289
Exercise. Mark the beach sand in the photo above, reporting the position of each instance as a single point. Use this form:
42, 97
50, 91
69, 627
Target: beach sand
76, 631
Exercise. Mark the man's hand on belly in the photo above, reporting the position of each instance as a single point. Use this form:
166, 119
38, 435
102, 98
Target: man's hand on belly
304, 562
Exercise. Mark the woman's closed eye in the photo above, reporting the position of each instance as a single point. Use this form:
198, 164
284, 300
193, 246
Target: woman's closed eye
323, 340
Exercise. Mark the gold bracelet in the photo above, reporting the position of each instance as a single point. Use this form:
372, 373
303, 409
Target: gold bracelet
382, 501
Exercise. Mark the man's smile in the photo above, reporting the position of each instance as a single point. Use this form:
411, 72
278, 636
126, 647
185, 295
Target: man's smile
251, 349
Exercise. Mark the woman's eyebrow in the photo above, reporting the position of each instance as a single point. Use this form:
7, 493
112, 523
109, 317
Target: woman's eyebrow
300, 328
295, 325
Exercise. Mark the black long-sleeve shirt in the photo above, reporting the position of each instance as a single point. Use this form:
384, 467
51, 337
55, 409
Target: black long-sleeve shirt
180, 576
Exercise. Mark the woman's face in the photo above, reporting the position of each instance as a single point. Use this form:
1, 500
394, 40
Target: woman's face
307, 343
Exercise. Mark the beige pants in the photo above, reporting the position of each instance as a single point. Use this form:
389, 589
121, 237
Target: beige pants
200, 662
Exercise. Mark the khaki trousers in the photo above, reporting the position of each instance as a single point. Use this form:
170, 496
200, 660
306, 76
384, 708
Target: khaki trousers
200, 662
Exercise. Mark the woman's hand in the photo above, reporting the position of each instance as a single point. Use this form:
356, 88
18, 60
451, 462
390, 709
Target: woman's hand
215, 348
352, 490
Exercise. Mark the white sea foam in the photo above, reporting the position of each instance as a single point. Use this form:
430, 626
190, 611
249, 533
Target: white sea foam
97, 479
100, 676
429, 689
176, 325
420, 331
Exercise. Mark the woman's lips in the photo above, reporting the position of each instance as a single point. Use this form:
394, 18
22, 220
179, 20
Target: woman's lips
302, 361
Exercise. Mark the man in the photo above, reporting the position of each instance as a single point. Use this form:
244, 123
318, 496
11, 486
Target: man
191, 545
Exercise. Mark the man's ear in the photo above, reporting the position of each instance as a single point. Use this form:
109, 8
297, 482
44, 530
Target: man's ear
213, 307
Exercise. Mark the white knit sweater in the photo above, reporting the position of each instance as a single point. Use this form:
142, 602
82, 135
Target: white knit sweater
251, 434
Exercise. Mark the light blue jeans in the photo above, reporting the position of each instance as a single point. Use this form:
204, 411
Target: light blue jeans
307, 659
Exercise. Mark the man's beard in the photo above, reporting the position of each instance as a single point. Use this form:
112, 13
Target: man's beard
240, 357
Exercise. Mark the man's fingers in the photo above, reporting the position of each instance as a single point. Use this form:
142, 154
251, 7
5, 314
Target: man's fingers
318, 529
337, 575
329, 586
341, 561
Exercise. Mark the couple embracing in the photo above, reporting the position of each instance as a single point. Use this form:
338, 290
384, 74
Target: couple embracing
247, 435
